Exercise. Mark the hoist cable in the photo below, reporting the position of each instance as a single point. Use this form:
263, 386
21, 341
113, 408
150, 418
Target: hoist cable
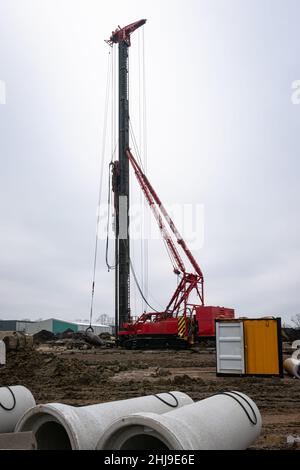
141, 147
171, 256
113, 104
100, 187
139, 288
146, 247
109, 197
172, 259
138, 156
132, 251
108, 220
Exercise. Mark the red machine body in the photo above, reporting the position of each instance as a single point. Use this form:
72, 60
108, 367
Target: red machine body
206, 317
159, 329
151, 324
173, 330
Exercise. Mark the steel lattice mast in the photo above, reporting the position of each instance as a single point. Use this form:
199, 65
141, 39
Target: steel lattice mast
121, 36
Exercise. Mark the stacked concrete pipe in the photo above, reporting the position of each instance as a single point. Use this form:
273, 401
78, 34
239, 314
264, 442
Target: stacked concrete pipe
58, 426
14, 402
292, 366
225, 421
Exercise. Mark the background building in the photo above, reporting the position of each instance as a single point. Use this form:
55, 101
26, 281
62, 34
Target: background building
52, 324
14, 325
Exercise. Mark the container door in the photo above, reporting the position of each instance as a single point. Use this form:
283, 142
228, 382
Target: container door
230, 347
261, 347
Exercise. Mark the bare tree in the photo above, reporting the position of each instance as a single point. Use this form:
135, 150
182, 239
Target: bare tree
296, 320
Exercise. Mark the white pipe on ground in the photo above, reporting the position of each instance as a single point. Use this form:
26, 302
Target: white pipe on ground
14, 401
296, 344
218, 422
296, 354
58, 426
292, 366
2, 353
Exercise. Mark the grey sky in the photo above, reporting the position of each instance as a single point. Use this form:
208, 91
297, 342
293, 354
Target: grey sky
222, 131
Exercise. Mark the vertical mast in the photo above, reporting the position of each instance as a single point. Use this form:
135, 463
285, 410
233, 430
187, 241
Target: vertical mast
123, 245
121, 36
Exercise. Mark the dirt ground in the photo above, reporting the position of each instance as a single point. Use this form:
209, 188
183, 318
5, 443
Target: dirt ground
99, 375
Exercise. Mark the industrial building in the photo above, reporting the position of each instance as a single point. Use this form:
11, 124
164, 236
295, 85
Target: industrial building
52, 324
98, 328
14, 325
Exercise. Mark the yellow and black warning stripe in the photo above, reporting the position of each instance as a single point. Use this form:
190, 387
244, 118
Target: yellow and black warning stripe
181, 327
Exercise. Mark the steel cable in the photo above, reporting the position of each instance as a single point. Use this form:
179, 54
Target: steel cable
14, 401
167, 403
229, 394
139, 288
100, 187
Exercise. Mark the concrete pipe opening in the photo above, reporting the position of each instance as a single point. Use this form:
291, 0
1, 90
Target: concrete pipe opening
297, 370
49, 431
143, 442
52, 436
137, 433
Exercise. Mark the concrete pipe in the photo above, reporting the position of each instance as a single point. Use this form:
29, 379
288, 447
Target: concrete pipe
296, 354
292, 366
58, 426
2, 353
296, 344
227, 421
14, 402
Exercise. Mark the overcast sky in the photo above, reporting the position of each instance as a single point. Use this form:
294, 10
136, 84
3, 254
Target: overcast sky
222, 131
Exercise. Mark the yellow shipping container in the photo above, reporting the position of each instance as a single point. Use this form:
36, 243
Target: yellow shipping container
247, 346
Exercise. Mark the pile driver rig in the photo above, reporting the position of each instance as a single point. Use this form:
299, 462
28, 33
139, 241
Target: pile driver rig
182, 322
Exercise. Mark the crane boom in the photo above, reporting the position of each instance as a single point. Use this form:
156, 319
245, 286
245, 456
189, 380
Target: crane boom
189, 281
145, 186
163, 210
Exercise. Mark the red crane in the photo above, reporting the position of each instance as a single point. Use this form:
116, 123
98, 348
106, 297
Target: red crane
182, 321
178, 325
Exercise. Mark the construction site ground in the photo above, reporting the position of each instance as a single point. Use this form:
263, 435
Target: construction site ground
77, 377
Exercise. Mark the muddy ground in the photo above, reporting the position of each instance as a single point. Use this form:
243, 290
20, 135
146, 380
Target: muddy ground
99, 375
